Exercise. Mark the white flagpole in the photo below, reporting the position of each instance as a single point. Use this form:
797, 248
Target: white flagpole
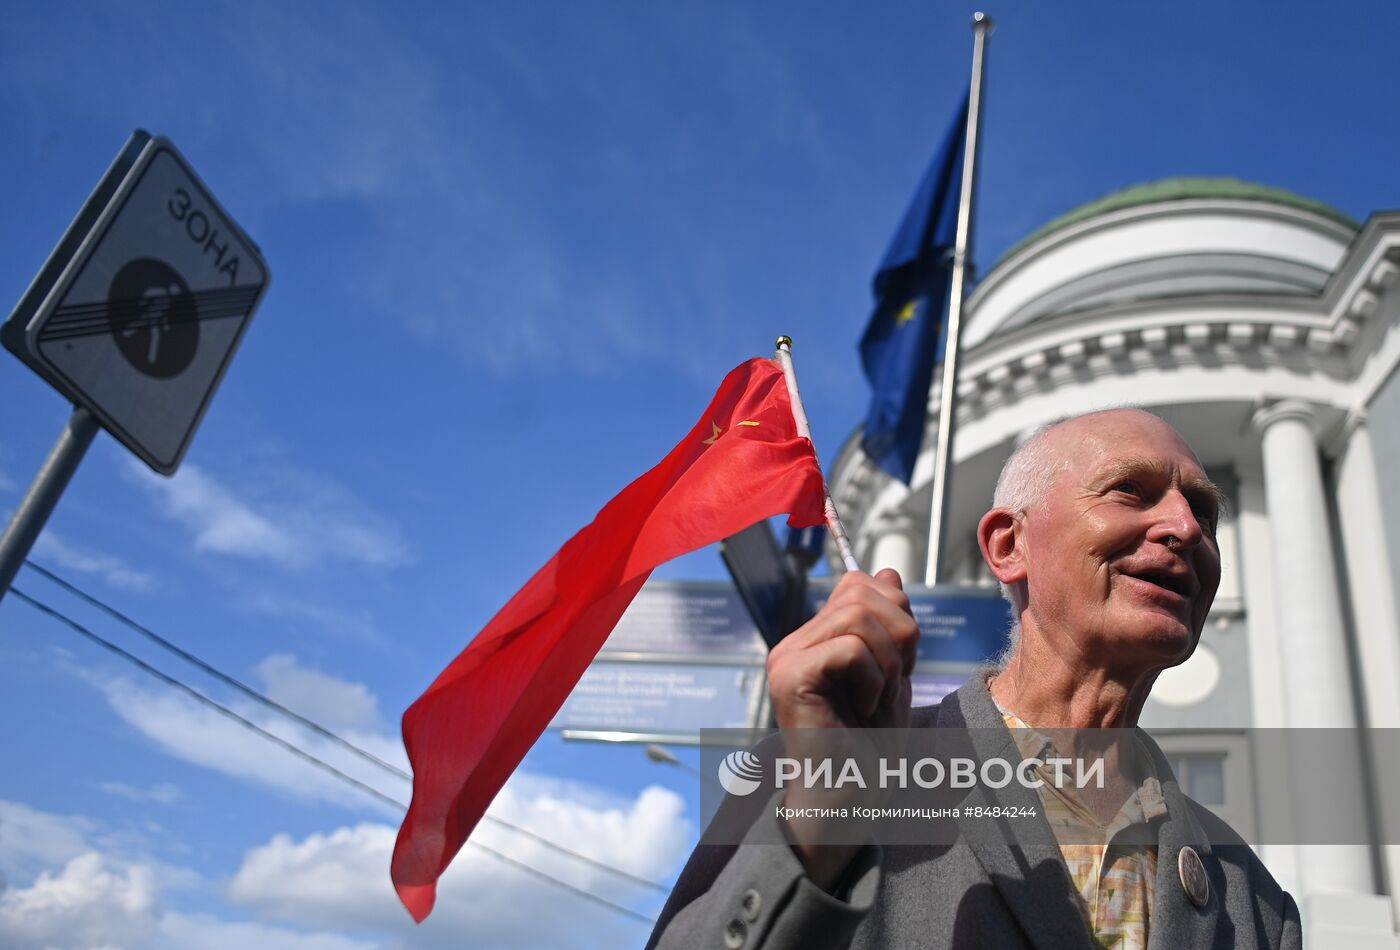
799, 416
942, 460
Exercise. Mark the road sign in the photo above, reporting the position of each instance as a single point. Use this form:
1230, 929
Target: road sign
139, 310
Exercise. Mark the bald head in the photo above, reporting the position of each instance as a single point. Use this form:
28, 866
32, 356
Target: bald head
1065, 472
1032, 468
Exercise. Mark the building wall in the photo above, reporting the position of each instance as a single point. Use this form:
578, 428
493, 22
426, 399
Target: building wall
1217, 673
1383, 421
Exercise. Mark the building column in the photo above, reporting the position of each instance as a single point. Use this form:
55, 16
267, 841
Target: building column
1308, 602
1340, 907
1266, 688
1368, 577
893, 546
1373, 608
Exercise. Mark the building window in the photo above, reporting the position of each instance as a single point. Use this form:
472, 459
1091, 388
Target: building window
1201, 777
1213, 769
1229, 596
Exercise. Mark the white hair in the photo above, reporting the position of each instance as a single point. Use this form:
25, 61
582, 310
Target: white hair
1028, 472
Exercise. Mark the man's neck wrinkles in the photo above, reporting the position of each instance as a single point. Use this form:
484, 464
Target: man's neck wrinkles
1045, 690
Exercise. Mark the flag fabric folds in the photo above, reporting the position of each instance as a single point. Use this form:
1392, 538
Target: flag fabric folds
742, 462
904, 340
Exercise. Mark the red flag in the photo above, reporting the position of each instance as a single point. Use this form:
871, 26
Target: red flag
743, 462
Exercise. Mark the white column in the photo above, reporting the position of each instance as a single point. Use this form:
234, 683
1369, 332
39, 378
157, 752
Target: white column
1269, 700
1311, 634
1266, 689
1369, 578
1368, 560
1308, 603
894, 547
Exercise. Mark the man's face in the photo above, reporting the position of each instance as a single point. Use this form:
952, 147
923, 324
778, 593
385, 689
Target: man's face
1121, 556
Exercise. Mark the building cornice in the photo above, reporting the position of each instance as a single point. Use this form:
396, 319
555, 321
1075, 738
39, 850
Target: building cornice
1011, 270
1309, 338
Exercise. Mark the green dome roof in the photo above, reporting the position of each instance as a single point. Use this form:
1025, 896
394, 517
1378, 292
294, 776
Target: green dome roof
1181, 189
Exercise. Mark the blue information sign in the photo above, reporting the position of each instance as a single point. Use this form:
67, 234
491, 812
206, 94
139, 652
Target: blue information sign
957, 624
699, 619
930, 688
660, 697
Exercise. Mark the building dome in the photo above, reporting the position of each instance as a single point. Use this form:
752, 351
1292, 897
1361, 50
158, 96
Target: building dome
1182, 188
1163, 239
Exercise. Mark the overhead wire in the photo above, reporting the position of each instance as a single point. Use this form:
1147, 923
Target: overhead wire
215, 672
269, 702
203, 699
302, 754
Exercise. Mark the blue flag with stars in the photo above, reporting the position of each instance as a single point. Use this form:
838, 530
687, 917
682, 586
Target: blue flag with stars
905, 338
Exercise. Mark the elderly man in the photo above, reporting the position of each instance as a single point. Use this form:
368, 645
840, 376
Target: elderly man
1103, 537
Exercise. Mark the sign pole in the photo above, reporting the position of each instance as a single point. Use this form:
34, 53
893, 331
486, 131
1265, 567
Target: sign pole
28, 520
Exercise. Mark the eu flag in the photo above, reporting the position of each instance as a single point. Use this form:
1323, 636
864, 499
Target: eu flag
905, 338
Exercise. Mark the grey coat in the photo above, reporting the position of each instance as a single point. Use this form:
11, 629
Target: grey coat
973, 893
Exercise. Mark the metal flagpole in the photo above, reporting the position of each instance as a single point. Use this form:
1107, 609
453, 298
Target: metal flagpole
799, 417
942, 461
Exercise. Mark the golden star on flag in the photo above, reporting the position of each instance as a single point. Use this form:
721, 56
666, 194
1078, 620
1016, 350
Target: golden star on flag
909, 312
717, 431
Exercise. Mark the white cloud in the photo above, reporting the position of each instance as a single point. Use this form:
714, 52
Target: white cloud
87, 905
338, 880
113, 571
162, 793
341, 878
328, 891
92, 903
219, 521
198, 734
81, 889
342, 875
329, 700
32, 839
293, 519
331, 890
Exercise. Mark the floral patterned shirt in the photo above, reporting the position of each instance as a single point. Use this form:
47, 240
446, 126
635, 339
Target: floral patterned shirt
1116, 881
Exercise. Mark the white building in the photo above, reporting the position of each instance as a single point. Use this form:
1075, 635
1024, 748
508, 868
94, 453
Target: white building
1266, 328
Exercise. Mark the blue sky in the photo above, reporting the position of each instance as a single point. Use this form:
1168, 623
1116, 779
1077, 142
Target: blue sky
514, 249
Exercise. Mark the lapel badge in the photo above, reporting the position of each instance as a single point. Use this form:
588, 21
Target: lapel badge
1193, 876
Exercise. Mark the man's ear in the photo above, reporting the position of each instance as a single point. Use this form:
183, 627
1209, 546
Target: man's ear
999, 537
